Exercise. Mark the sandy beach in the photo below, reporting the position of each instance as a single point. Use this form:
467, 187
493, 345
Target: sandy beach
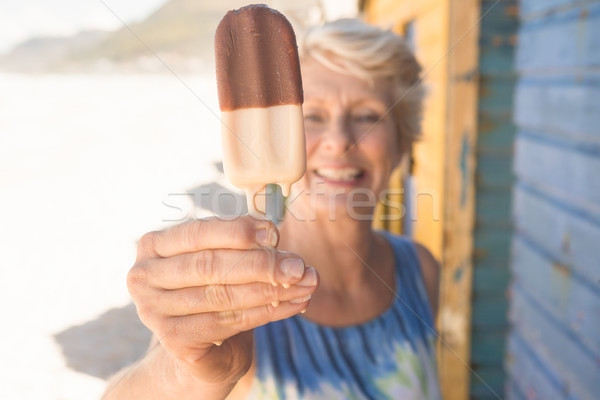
87, 165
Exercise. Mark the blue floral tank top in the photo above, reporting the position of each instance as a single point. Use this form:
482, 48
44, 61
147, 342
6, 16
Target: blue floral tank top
389, 357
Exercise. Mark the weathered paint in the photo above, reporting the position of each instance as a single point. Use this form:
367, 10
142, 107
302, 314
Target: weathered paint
554, 345
563, 358
494, 180
491, 246
568, 235
569, 296
487, 380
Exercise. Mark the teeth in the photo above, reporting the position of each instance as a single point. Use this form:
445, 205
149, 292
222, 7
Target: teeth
339, 174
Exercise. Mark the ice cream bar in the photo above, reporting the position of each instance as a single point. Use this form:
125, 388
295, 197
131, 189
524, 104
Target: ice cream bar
260, 96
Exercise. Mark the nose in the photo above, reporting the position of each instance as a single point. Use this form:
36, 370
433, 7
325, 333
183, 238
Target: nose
338, 136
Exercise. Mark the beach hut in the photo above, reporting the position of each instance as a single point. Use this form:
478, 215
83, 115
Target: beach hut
511, 154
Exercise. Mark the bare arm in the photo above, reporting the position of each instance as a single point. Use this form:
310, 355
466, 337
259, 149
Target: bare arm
157, 376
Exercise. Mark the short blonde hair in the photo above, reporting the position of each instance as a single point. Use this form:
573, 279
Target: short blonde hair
368, 52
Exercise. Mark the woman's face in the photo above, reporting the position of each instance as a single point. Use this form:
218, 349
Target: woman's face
351, 141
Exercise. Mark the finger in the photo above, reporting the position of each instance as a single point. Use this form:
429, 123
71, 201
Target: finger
200, 330
210, 233
214, 267
216, 298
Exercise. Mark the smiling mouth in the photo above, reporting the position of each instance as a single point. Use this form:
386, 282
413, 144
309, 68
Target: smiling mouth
340, 174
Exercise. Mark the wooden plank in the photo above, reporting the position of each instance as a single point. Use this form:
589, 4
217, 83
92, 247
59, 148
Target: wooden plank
569, 237
570, 298
497, 60
496, 94
529, 374
429, 152
560, 168
494, 171
488, 351
495, 132
573, 366
389, 12
459, 195
554, 344
567, 38
493, 207
529, 7
490, 281
487, 383
554, 106
493, 245
489, 312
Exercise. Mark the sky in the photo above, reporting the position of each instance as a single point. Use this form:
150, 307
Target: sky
20, 20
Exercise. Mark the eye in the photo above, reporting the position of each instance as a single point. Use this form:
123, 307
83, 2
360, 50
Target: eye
367, 117
314, 117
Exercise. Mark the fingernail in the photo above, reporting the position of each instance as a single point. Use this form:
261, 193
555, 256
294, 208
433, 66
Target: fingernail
300, 300
292, 268
309, 278
266, 237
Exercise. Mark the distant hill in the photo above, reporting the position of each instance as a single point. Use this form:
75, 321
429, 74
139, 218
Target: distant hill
179, 30
180, 33
41, 54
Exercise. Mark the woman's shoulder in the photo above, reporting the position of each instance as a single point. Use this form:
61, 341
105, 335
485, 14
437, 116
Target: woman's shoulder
407, 245
431, 270
429, 266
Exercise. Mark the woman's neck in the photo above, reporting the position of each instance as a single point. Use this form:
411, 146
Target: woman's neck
355, 266
340, 249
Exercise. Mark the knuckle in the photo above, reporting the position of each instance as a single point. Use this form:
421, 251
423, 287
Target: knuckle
147, 316
147, 244
271, 311
137, 279
272, 293
245, 229
192, 233
235, 229
261, 258
175, 302
231, 318
170, 331
205, 264
145, 312
220, 296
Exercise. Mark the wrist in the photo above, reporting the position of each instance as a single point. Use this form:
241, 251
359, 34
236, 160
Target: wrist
179, 377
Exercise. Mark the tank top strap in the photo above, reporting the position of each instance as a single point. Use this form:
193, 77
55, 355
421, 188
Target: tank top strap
409, 277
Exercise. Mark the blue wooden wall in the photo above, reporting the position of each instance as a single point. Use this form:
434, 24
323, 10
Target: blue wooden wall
494, 182
554, 343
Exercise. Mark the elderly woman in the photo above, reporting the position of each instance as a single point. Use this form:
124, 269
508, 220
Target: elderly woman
321, 306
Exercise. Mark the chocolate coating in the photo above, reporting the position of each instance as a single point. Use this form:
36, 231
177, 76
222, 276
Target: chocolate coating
256, 59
